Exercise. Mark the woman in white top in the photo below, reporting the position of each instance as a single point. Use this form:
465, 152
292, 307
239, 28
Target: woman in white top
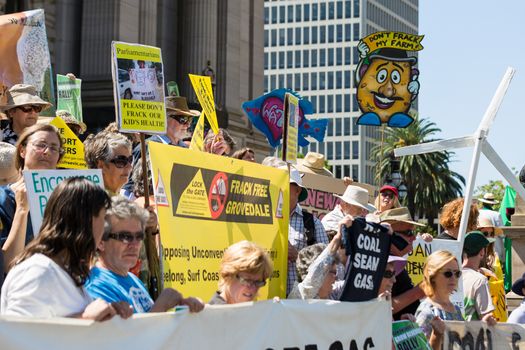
48, 278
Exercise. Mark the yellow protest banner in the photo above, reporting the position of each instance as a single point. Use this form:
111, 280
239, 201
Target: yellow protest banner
210, 202
73, 148
202, 86
197, 139
290, 128
137, 72
395, 40
497, 292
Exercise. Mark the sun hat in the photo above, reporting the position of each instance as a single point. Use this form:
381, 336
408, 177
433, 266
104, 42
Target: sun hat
23, 94
296, 178
180, 106
399, 263
485, 220
389, 188
488, 198
356, 195
313, 163
475, 241
517, 286
70, 119
401, 214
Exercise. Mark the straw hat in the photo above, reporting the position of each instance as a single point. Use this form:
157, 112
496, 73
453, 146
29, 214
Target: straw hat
485, 220
313, 163
23, 94
488, 198
358, 196
398, 214
180, 106
69, 119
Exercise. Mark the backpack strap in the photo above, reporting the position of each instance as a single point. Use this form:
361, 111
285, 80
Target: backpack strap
309, 227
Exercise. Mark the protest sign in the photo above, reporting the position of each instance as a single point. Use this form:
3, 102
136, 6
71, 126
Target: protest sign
73, 157
368, 246
321, 190
211, 202
25, 55
418, 256
202, 86
499, 299
290, 128
138, 88
478, 335
262, 325
40, 184
68, 96
197, 139
408, 335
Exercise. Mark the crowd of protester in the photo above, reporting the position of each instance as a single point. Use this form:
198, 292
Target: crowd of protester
96, 254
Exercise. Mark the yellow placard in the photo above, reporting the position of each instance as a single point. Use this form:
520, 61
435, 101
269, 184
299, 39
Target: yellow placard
497, 292
138, 52
416, 260
210, 202
74, 148
197, 139
292, 127
395, 40
142, 115
202, 86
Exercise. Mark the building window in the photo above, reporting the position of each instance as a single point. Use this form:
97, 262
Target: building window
306, 35
356, 55
339, 9
322, 34
330, 103
289, 81
323, 11
338, 155
322, 81
355, 127
346, 126
331, 10
281, 59
282, 14
355, 106
266, 38
273, 60
297, 59
321, 147
314, 58
289, 32
313, 147
313, 77
339, 103
346, 170
348, 8
266, 87
290, 13
298, 13
348, 79
281, 37
314, 35
347, 150
356, 8
281, 81
347, 102
355, 172
266, 15
306, 58
330, 80
338, 80
306, 12
305, 81
314, 12
339, 56
348, 32
297, 84
274, 14
330, 151
297, 36
289, 59
272, 82
313, 100
266, 60
330, 57
321, 107
339, 33
274, 37
322, 57
355, 150
330, 128
348, 56
338, 127
330, 34
356, 31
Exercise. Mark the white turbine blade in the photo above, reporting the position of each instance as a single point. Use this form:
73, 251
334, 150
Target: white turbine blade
435, 146
503, 169
490, 113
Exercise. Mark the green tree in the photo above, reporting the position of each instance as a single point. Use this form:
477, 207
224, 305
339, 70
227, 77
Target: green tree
496, 187
429, 181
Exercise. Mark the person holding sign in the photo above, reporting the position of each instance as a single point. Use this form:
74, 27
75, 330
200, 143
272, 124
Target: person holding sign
441, 276
39, 147
118, 252
245, 267
22, 109
387, 199
48, 277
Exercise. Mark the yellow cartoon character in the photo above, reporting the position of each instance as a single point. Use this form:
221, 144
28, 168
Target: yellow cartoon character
386, 86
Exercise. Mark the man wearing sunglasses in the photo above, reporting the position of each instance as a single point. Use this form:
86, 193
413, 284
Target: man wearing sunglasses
118, 252
22, 109
477, 299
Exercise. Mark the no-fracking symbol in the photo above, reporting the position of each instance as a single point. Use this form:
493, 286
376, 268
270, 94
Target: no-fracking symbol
218, 194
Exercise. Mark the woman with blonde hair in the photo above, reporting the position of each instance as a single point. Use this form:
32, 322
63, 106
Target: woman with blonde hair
388, 198
451, 218
245, 267
441, 274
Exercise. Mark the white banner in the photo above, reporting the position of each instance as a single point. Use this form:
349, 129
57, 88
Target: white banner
41, 183
293, 324
478, 335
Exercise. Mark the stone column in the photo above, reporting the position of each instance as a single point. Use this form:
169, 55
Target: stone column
516, 232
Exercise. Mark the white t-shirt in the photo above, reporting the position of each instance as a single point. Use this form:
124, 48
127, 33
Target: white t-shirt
39, 287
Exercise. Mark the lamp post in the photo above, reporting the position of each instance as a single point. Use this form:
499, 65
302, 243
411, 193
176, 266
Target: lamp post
395, 179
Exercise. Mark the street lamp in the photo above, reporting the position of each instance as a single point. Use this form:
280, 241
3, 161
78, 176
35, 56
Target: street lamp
395, 179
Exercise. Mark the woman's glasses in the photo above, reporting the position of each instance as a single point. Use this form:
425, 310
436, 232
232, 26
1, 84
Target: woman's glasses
250, 283
450, 273
121, 161
42, 146
388, 194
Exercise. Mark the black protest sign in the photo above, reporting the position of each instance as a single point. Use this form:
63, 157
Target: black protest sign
368, 247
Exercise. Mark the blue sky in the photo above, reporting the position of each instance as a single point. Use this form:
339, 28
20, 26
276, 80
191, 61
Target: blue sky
467, 48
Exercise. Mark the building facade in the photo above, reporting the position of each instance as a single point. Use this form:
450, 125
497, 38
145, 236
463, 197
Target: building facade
310, 46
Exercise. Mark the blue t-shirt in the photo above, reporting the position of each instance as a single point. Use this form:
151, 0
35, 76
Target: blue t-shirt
111, 287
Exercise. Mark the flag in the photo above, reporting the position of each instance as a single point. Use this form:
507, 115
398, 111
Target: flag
507, 206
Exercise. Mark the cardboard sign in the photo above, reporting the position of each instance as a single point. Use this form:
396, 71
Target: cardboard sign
367, 247
197, 139
73, 157
25, 56
408, 335
211, 202
202, 86
68, 96
478, 335
41, 183
138, 88
290, 128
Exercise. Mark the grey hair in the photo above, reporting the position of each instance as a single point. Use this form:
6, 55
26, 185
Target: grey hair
273, 162
102, 146
306, 257
7, 155
124, 209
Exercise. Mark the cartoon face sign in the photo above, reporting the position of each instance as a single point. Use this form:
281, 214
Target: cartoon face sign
383, 88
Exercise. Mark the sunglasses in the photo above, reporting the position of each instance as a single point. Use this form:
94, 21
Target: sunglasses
409, 233
250, 283
181, 119
30, 108
389, 274
127, 237
388, 194
450, 273
121, 161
